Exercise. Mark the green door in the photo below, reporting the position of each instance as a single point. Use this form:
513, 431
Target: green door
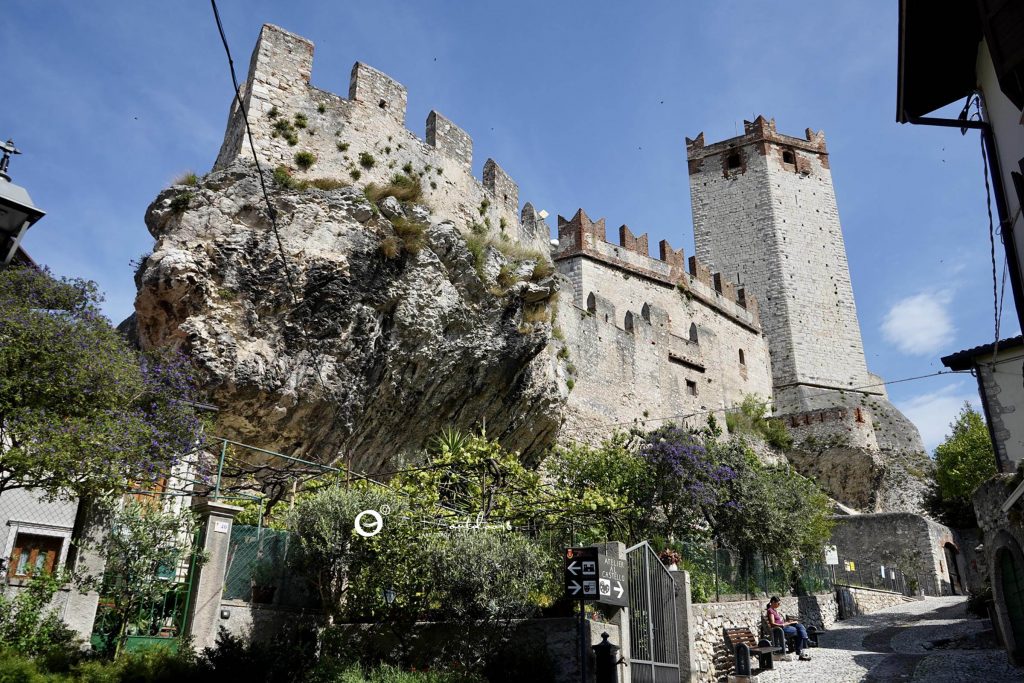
1013, 595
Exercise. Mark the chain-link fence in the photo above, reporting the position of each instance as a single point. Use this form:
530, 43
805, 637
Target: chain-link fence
257, 569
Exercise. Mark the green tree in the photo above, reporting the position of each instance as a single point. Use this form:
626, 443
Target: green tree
604, 487
348, 570
471, 475
81, 413
146, 549
962, 462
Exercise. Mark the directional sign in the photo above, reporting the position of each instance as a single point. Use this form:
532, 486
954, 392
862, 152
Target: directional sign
592, 575
581, 573
613, 581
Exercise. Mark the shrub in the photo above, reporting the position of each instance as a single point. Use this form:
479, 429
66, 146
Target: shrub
284, 128
283, 177
506, 276
300, 120
412, 234
477, 247
326, 183
484, 205
407, 168
752, 418
321, 107
274, 112
342, 146
356, 174
305, 160
181, 201
542, 270
402, 187
28, 624
366, 160
390, 247
187, 178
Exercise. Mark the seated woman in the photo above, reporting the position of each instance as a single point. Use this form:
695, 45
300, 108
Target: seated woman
793, 628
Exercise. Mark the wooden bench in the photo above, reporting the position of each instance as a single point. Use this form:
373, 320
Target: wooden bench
779, 637
742, 644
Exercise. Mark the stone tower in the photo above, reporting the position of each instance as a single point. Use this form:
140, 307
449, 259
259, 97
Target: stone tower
764, 213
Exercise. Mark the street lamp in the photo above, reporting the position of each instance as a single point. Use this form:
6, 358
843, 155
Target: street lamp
17, 212
389, 595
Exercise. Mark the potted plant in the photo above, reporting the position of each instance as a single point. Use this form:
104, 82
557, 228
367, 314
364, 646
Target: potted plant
670, 558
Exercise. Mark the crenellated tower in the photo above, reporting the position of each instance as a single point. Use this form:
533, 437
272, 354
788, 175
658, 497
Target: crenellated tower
764, 213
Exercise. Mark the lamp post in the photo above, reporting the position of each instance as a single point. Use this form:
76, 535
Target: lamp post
389, 595
17, 212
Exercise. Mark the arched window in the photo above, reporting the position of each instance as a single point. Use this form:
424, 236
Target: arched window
733, 161
628, 322
645, 313
743, 360
693, 332
591, 303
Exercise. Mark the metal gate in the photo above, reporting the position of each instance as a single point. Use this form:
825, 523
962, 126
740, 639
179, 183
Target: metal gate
653, 641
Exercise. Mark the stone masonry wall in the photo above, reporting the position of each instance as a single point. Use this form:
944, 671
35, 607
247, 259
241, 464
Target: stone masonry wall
764, 212
344, 134
853, 601
712, 662
901, 539
647, 339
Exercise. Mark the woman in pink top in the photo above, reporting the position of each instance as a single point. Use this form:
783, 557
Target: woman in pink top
793, 628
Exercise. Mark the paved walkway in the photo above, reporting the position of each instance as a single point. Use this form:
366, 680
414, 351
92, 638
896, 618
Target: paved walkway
926, 640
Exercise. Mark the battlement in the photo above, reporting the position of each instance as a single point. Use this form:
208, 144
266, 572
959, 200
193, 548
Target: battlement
760, 135
363, 138
854, 426
581, 236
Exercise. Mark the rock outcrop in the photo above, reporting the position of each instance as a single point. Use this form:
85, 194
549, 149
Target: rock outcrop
370, 334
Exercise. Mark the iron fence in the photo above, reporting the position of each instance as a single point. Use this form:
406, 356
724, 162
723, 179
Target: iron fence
875, 573
719, 573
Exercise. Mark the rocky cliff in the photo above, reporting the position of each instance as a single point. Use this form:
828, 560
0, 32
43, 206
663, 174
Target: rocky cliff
381, 324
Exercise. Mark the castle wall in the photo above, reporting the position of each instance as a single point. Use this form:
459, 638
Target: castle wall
900, 539
765, 213
340, 132
638, 329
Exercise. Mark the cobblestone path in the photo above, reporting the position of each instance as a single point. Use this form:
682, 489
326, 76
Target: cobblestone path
899, 644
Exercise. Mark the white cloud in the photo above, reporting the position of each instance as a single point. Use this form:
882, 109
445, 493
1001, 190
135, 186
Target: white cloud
933, 412
920, 325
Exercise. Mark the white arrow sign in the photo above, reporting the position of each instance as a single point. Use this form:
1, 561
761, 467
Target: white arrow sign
572, 568
618, 589
575, 587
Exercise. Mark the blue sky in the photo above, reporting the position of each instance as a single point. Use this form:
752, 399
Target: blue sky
584, 104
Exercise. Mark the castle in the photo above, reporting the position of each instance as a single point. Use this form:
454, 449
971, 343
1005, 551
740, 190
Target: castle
764, 307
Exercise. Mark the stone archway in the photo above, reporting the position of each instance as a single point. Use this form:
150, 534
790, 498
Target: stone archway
1008, 593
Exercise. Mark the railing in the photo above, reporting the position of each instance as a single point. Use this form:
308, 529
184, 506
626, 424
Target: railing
653, 639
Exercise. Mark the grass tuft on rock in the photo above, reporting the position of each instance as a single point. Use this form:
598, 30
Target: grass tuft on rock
402, 187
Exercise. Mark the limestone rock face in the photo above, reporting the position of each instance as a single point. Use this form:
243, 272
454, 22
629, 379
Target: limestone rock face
868, 481
362, 355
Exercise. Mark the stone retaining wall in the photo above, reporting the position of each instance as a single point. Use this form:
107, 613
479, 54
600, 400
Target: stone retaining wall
854, 601
711, 660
